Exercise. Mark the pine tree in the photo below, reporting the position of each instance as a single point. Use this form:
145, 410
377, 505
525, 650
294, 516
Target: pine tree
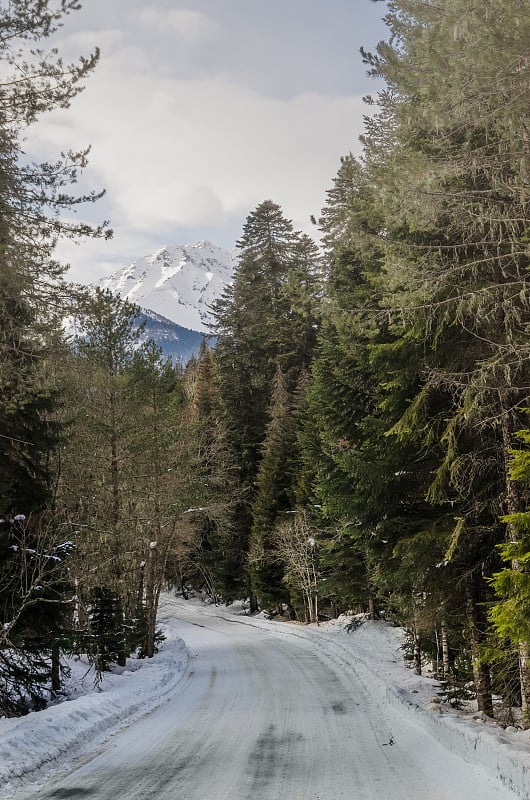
265, 320
249, 325
159, 489
346, 470
35, 592
509, 614
34, 199
126, 476
274, 496
96, 469
213, 558
449, 157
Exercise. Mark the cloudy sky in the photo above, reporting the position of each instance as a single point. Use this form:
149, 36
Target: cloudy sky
201, 109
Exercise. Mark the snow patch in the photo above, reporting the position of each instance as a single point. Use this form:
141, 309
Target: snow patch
88, 714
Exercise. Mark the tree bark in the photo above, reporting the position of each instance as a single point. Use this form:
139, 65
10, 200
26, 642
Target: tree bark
416, 656
481, 670
123, 650
150, 599
446, 663
416, 640
55, 667
524, 677
253, 603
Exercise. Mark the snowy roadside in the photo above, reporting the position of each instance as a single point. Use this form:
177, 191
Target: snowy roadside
373, 651
88, 715
502, 753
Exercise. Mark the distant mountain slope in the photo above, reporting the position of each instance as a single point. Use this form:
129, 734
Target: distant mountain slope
177, 282
176, 342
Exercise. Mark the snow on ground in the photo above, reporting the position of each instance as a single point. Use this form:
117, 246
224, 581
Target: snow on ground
503, 753
88, 716
375, 648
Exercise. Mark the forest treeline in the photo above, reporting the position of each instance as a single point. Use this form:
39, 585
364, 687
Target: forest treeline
358, 438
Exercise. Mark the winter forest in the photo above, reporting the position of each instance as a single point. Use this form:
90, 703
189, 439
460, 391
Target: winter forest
356, 437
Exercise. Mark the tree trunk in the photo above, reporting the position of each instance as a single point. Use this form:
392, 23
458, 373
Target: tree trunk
123, 650
524, 677
253, 606
481, 670
307, 606
416, 641
312, 607
416, 656
446, 664
55, 667
150, 599
114, 465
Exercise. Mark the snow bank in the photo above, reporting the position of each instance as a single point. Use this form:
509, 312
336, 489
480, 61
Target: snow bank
88, 714
376, 650
503, 754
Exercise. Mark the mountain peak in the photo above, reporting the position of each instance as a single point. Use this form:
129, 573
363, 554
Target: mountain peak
179, 282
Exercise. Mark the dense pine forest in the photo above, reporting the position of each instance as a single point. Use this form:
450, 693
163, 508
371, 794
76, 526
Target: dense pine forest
358, 438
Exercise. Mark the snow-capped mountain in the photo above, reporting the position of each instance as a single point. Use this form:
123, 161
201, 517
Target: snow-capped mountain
178, 282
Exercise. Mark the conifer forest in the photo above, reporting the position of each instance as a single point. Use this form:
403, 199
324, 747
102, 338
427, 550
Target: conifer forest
355, 437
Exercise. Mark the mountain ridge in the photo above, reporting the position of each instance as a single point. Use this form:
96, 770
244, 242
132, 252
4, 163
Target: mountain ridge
176, 342
177, 282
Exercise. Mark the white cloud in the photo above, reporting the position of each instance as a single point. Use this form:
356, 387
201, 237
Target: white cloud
179, 143
192, 150
93, 259
191, 26
157, 202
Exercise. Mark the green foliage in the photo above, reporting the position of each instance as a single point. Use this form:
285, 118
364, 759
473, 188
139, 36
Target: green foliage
124, 476
107, 627
34, 213
423, 356
510, 615
266, 321
212, 556
448, 170
35, 607
274, 495
377, 392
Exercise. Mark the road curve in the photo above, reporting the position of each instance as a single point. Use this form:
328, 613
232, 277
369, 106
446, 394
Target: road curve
260, 716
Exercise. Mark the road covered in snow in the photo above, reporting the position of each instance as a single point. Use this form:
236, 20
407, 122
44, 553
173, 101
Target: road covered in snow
270, 711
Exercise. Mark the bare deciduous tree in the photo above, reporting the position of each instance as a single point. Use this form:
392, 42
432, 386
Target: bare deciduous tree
295, 544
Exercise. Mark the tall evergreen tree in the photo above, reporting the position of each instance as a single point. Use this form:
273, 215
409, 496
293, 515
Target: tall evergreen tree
126, 476
255, 326
34, 199
96, 468
213, 560
265, 320
159, 489
274, 496
448, 155
347, 460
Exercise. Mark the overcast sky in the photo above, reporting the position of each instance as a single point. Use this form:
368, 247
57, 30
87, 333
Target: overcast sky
201, 109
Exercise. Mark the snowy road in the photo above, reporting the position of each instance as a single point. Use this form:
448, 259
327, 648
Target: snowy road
263, 713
